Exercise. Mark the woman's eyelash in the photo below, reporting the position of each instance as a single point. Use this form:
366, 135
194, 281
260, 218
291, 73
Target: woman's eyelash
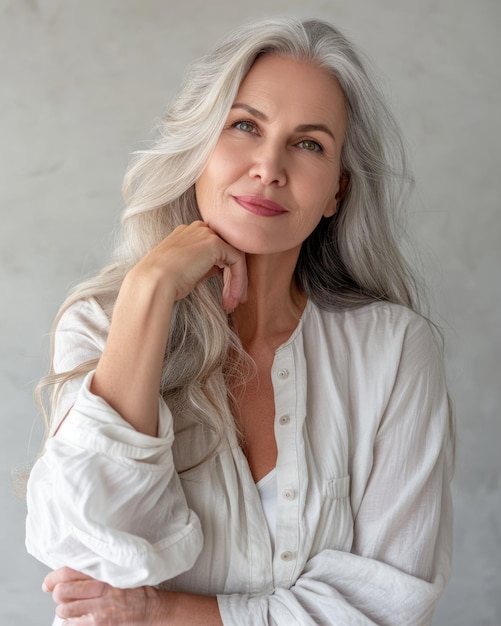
247, 126
241, 123
314, 146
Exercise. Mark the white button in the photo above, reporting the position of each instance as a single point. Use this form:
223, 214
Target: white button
288, 494
287, 556
283, 374
284, 420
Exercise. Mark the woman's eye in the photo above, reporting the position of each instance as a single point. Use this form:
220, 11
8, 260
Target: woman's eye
246, 127
310, 145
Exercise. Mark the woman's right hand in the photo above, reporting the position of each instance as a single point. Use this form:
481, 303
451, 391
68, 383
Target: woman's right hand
129, 371
190, 254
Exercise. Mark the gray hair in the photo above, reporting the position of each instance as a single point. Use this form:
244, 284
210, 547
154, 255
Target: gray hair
349, 260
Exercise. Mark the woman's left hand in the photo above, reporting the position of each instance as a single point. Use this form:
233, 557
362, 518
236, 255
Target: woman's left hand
84, 601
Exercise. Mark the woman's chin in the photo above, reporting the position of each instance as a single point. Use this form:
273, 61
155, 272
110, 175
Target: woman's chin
251, 239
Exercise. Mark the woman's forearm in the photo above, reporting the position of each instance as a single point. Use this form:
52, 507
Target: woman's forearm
129, 371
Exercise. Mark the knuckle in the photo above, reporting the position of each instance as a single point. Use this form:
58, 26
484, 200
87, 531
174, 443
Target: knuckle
59, 593
63, 611
66, 573
102, 588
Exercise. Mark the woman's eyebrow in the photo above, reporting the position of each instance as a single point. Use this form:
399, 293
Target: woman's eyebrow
308, 128
303, 128
258, 114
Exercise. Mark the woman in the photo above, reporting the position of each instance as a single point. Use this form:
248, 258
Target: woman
293, 467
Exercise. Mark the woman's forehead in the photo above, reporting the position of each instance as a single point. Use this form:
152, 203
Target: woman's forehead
277, 84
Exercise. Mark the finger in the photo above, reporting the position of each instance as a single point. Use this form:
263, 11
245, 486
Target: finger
63, 574
213, 272
78, 590
234, 284
233, 264
80, 610
83, 620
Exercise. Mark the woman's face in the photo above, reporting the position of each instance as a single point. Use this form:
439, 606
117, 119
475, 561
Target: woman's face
275, 170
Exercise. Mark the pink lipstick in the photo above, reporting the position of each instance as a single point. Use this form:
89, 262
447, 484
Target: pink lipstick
260, 206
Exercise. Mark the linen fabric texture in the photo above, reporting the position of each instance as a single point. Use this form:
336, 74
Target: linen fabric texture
363, 514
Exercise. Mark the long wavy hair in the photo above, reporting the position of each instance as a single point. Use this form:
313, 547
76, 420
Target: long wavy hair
349, 260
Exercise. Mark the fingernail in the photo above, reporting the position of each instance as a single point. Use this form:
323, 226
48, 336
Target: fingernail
44, 587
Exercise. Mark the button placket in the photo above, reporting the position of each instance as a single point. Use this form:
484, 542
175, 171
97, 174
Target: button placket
284, 383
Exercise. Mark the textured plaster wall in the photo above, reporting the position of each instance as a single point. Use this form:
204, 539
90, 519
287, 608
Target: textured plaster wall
80, 86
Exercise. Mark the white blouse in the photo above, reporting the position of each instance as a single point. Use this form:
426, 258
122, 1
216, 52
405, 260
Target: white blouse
363, 527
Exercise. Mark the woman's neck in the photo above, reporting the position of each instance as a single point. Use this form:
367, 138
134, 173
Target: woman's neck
274, 303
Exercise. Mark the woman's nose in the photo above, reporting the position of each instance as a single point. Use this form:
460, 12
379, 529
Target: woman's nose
268, 165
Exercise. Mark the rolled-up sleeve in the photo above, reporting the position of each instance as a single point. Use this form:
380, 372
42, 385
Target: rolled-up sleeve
106, 500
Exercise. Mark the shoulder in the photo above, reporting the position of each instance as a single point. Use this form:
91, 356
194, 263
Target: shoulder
379, 354
80, 334
83, 315
381, 323
373, 341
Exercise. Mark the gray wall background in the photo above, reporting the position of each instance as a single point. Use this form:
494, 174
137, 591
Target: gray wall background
80, 86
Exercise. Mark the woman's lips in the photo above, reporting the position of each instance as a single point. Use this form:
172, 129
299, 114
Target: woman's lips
260, 206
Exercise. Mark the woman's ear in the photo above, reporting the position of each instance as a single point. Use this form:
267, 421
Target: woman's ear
344, 181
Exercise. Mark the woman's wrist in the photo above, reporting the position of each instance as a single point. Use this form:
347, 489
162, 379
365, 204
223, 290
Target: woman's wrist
159, 607
179, 609
150, 285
